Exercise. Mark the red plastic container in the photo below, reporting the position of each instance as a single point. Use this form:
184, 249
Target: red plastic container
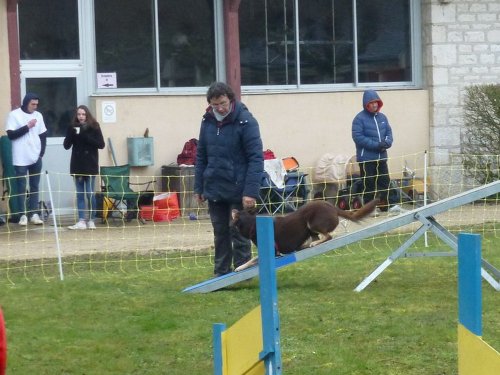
165, 207
146, 212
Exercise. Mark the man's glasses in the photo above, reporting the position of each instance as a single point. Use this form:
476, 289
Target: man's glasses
224, 104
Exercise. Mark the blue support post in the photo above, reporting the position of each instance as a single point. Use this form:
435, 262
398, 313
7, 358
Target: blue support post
470, 305
271, 352
218, 328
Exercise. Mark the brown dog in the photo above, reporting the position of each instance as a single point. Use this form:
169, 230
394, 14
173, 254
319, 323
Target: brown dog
314, 219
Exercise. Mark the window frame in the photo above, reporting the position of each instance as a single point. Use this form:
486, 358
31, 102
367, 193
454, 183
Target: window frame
416, 62
158, 89
89, 59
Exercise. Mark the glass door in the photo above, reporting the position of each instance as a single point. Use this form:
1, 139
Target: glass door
60, 93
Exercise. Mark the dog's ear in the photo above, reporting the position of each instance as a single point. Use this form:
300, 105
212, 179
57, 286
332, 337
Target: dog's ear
235, 215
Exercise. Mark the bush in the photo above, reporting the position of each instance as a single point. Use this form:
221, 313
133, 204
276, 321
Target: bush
481, 141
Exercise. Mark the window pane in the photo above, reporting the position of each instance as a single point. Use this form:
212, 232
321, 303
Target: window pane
384, 47
48, 29
125, 41
326, 46
267, 44
187, 42
57, 102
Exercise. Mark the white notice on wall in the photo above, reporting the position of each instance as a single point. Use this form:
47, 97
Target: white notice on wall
108, 112
106, 80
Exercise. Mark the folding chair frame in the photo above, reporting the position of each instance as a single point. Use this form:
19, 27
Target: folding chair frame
115, 187
274, 200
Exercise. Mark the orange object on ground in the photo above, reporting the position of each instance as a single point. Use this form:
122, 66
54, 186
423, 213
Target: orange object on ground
146, 212
166, 207
290, 164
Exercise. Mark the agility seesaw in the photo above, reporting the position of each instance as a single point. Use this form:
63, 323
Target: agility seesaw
423, 214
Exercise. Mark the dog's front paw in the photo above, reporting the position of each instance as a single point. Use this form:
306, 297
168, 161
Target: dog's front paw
244, 266
240, 268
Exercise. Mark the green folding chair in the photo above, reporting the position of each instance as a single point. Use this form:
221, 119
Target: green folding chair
116, 190
9, 183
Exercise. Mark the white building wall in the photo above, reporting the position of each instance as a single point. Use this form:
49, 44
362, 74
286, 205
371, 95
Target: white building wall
303, 125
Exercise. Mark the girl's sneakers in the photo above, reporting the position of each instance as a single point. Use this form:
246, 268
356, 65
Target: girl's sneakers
78, 226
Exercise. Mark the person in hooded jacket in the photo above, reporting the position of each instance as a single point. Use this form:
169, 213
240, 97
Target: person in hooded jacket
372, 135
228, 171
27, 131
85, 136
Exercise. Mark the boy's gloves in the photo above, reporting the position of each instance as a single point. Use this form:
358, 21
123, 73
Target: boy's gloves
382, 146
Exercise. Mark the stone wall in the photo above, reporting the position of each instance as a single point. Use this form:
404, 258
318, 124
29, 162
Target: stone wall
461, 47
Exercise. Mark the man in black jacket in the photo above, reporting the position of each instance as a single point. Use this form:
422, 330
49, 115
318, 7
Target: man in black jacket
228, 171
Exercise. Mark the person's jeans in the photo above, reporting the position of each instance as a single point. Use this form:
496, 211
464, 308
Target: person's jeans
33, 172
85, 189
230, 246
375, 175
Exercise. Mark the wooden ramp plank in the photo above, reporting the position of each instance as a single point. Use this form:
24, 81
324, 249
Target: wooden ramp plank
386, 225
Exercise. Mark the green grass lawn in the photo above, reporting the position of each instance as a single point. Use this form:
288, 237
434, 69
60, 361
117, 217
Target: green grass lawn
112, 322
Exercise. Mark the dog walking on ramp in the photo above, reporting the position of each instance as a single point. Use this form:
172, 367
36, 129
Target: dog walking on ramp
291, 232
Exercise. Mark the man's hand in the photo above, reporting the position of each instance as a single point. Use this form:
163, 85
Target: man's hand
382, 146
199, 198
31, 123
248, 202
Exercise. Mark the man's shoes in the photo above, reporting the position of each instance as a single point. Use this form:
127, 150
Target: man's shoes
91, 225
35, 219
396, 210
23, 220
78, 226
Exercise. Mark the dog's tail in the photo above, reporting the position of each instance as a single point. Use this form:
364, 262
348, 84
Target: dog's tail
359, 214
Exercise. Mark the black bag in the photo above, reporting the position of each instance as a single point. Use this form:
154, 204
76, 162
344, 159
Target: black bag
99, 204
45, 209
188, 154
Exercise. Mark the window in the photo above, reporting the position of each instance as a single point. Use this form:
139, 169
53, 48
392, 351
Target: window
179, 52
124, 38
384, 43
57, 102
49, 45
187, 46
49, 30
324, 39
267, 42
